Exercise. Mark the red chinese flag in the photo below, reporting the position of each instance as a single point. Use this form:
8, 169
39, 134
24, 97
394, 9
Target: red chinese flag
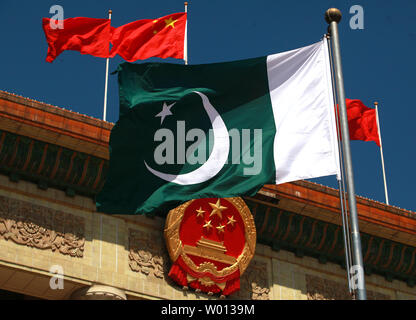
362, 121
86, 35
163, 37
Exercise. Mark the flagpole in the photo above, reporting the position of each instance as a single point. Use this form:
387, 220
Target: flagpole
333, 17
340, 179
106, 77
185, 45
381, 154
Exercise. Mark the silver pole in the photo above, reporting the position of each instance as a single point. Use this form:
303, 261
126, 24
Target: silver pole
340, 179
345, 232
381, 154
185, 45
106, 79
333, 17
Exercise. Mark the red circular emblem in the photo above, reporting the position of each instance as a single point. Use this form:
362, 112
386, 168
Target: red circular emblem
211, 242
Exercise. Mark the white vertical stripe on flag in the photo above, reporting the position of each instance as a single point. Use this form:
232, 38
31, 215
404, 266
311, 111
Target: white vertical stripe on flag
305, 144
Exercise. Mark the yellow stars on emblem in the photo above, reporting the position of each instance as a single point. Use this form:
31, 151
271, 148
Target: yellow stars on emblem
200, 212
220, 228
231, 221
208, 225
217, 209
170, 22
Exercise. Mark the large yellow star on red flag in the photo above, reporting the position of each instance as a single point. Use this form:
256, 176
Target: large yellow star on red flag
217, 209
170, 22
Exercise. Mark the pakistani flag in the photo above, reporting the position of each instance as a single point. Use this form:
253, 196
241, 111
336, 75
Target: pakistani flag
219, 130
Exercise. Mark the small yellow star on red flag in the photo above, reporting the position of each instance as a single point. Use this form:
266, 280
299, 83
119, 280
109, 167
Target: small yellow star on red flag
217, 209
200, 212
155, 21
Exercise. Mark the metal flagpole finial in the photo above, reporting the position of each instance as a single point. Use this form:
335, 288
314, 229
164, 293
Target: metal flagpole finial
110, 11
375, 103
333, 14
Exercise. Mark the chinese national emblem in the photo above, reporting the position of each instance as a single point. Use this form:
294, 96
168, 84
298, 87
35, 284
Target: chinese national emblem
211, 242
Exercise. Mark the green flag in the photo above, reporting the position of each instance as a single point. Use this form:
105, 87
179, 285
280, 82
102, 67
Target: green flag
219, 130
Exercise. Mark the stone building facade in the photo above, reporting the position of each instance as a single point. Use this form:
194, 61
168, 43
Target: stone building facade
52, 164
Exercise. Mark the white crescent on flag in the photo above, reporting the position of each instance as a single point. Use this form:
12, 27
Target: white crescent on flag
217, 158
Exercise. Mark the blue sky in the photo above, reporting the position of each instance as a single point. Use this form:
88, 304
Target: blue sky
378, 64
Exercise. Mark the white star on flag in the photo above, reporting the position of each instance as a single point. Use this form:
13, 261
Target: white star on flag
165, 112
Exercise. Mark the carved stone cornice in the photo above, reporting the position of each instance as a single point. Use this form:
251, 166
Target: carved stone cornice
50, 164
254, 283
147, 254
52, 124
41, 227
318, 288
